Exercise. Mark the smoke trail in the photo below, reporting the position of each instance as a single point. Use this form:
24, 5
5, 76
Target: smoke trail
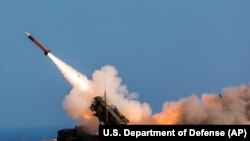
75, 78
233, 107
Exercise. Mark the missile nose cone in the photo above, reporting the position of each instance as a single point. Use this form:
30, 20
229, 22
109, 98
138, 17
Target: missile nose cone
27, 33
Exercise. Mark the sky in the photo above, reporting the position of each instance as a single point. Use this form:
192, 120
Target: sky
163, 50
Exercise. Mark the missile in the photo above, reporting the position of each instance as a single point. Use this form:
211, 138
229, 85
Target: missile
45, 50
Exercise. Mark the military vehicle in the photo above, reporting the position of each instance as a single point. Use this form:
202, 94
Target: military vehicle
106, 114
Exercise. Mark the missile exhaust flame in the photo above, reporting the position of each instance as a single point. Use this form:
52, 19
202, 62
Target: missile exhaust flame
74, 77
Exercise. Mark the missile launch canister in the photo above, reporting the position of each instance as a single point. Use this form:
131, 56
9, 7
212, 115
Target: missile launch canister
45, 50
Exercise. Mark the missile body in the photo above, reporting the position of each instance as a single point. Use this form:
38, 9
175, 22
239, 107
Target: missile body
45, 50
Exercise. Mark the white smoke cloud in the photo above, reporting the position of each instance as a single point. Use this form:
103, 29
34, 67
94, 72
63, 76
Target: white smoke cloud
233, 107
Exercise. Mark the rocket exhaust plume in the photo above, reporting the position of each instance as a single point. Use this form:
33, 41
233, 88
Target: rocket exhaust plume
75, 78
232, 107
